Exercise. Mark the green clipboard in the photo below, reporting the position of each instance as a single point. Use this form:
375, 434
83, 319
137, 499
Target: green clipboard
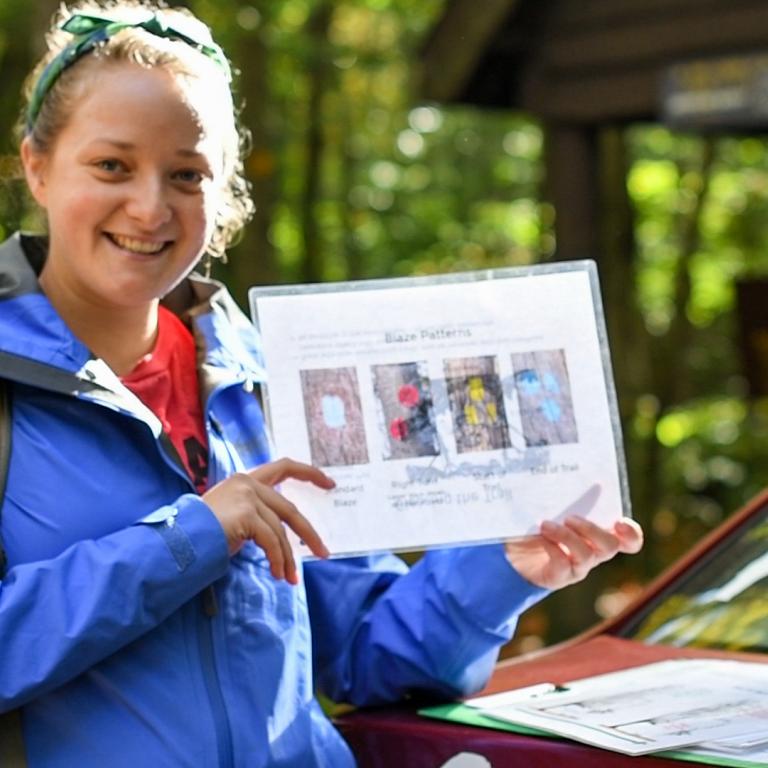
460, 713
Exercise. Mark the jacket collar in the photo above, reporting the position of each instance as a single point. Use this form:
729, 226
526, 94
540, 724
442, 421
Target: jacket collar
30, 328
35, 341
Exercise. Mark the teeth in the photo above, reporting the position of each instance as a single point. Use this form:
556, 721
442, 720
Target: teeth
138, 246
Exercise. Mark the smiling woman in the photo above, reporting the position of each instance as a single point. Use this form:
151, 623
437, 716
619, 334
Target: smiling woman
152, 611
131, 187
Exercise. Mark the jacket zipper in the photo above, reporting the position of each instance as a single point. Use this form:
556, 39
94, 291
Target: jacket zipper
209, 605
205, 635
224, 744
209, 609
205, 639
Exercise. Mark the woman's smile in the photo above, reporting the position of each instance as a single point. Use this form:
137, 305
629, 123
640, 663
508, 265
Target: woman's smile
137, 245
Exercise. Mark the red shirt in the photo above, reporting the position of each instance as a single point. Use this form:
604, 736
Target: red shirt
166, 382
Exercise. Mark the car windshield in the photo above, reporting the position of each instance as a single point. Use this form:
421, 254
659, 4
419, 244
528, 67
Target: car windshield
721, 602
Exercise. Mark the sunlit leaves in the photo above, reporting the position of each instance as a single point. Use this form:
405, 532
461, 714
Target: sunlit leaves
717, 421
393, 171
653, 182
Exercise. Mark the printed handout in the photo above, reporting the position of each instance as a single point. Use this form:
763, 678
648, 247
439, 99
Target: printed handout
456, 409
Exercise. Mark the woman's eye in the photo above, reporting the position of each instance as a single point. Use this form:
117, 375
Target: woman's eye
189, 176
110, 165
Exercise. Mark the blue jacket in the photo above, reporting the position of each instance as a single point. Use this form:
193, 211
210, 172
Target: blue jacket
113, 643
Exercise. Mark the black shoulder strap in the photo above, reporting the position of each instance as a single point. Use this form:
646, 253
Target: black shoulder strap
12, 754
5, 452
11, 740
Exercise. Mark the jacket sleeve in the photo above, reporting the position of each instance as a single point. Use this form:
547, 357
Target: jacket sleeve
58, 617
381, 631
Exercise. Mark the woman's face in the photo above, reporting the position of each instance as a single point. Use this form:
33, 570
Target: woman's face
131, 185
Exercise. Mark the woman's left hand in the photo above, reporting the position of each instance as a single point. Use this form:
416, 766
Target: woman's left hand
564, 553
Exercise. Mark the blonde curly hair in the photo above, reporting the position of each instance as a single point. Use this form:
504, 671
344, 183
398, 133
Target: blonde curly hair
136, 45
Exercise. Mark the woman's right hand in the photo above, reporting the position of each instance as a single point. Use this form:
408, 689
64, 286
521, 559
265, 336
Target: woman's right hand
249, 508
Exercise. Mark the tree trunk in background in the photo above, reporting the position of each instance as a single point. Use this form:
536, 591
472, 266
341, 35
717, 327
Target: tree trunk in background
599, 224
644, 365
253, 260
570, 156
353, 258
629, 340
668, 383
21, 44
20, 24
668, 364
317, 27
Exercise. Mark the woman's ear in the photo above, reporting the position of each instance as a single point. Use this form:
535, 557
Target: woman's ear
34, 163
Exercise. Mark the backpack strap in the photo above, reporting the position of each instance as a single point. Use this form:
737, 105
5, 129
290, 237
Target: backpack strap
11, 739
12, 753
5, 453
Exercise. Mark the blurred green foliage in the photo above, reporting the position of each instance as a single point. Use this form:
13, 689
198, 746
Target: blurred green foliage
714, 440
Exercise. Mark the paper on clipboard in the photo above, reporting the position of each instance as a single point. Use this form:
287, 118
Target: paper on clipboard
715, 705
457, 409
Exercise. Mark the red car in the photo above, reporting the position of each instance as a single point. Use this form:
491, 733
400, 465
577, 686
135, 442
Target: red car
711, 603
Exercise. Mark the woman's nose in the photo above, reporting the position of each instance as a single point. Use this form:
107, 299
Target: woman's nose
148, 203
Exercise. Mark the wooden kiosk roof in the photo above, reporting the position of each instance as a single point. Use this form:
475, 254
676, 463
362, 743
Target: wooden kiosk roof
585, 68
582, 61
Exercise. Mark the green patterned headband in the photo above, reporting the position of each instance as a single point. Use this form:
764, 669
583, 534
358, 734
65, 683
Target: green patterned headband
89, 32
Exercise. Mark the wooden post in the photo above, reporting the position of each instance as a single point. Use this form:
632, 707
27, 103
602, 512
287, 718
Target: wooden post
572, 187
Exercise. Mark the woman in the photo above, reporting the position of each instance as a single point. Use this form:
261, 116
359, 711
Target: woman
152, 611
